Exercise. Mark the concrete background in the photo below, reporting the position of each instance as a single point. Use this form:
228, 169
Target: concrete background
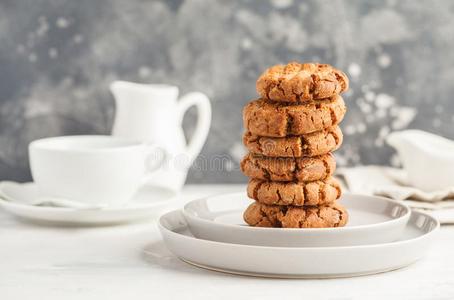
58, 57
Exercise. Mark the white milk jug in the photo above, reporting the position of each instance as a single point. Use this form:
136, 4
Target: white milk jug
427, 158
153, 113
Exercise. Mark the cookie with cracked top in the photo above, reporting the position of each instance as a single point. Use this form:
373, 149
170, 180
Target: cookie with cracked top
264, 118
312, 144
288, 168
320, 192
299, 83
262, 215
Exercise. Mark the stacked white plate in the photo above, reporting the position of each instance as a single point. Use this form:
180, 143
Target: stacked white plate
382, 235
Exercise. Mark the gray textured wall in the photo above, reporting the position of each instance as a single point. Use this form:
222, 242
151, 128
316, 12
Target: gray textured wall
57, 58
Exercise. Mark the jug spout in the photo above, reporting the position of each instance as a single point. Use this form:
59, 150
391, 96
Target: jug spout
117, 86
122, 89
412, 146
143, 92
402, 141
421, 142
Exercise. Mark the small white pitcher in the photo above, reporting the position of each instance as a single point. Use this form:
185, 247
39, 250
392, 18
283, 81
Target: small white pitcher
153, 113
427, 158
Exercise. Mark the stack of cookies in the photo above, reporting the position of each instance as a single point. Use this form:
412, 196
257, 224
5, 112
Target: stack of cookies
291, 131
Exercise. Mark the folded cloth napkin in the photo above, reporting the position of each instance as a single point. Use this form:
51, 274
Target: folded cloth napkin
392, 183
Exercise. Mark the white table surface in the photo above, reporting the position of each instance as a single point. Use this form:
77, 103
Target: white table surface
44, 262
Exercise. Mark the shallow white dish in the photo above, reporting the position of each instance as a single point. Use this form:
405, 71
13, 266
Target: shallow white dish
149, 202
372, 220
288, 262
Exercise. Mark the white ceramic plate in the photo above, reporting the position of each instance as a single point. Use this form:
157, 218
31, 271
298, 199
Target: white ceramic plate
149, 202
372, 220
288, 262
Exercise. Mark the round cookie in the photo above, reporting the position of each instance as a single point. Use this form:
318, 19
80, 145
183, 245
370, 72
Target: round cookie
313, 144
299, 83
262, 215
288, 169
320, 192
265, 118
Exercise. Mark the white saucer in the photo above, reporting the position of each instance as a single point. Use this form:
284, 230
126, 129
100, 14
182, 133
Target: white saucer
372, 220
148, 202
310, 262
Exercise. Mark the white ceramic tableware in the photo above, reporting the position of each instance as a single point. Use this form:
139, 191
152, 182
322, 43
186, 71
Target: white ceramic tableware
153, 113
92, 169
149, 202
372, 220
427, 158
310, 262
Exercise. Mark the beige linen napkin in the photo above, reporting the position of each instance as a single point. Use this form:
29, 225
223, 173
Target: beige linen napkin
392, 183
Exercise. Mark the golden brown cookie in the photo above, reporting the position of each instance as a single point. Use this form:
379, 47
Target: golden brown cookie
262, 215
288, 169
265, 118
299, 83
320, 192
313, 144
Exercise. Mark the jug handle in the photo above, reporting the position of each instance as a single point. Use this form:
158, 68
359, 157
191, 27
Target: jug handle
202, 103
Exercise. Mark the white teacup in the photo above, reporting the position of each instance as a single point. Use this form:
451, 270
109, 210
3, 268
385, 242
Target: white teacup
92, 169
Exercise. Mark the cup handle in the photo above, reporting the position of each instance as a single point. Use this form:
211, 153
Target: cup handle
202, 103
154, 158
